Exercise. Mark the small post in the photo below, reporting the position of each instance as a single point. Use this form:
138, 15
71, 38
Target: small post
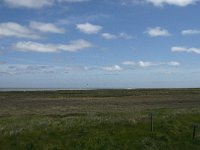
151, 121
194, 131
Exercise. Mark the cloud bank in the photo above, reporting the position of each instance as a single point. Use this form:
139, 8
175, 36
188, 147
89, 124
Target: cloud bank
73, 46
33, 4
181, 3
185, 49
190, 32
160, 3
146, 64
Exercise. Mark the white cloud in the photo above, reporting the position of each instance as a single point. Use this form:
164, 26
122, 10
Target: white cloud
112, 68
157, 31
159, 3
73, 1
181, 3
142, 64
11, 29
89, 28
46, 27
76, 45
190, 32
185, 49
36, 47
73, 46
38, 3
129, 63
14, 69
110, 36
29, 3
146, 64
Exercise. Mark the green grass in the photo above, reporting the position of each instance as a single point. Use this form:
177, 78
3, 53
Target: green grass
99, 122
171, 131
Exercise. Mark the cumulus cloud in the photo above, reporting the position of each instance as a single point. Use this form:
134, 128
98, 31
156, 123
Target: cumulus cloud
89, 28
190, 32
112, 68
157, 31
146, 64
12, 29
181, 3
29, 3
109, 36
46, 27
38, 4
73, 46
185, 49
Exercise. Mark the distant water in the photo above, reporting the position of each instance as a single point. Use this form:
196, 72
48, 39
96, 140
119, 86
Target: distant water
40, 89
57, 89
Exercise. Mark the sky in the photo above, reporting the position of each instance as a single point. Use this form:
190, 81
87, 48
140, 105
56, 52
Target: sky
99, 44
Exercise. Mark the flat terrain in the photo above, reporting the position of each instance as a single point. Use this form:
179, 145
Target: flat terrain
99, 119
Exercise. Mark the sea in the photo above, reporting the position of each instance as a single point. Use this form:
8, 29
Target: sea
41, 89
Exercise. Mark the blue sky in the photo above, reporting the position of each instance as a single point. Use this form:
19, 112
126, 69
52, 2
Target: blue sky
99, 44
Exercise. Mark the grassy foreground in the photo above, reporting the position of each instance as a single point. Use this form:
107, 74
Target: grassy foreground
101, 119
